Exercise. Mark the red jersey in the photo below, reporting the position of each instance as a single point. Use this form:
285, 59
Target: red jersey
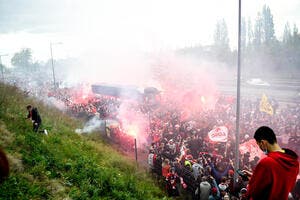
165, 170
274, 176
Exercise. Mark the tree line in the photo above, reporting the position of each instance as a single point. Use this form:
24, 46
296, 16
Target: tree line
261, 52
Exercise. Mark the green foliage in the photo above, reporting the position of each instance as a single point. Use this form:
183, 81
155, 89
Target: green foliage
262, 53
268, 25
18, 186
221, 39
64, 164
22, 59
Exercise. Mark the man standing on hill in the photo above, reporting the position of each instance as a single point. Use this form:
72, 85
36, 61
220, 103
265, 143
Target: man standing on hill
275, 175
34, 115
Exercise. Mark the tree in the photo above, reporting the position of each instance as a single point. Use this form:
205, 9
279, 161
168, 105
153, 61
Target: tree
296, 37
296, 48
243, 33
221, 47
221, 40
268, 25
287, 35
2, 67
264, 32
249, 32
258, 30
22, 59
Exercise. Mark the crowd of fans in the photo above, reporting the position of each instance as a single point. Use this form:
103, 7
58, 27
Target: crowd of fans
182, 153
179, 150
191, 165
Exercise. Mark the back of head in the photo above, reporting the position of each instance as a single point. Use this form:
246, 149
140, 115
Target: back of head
172, 170
204, 178
243, 191
226, 197
230, 172
265, 133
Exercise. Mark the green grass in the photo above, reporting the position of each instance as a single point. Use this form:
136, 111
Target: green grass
63, 165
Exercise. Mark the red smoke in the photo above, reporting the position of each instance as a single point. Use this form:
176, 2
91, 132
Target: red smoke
133, 121
185, 85
82, 94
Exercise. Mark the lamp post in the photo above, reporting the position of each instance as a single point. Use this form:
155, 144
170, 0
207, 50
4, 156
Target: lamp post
52, 63
237, 142
2, 67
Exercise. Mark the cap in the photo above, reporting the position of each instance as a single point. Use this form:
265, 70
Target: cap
243, 190
222, 186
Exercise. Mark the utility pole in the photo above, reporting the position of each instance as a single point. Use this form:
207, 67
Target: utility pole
237, 135
52, 63
2, 67
135, 150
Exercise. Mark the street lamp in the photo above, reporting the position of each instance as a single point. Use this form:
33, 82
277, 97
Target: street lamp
52, 62
238, 94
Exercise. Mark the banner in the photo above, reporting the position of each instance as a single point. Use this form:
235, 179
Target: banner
265, 105
219, 134
251, 147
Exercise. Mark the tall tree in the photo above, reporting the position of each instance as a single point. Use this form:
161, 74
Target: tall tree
250, 34
22, 59
296, 37
264, 32
221, 40
243, 33
221, 49
268, 25
287, 35
296, 48
258, 30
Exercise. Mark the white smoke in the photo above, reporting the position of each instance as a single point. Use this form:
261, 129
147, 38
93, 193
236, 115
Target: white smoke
52, 101
94, 124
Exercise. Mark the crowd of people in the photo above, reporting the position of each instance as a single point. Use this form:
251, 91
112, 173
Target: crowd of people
191, 165
180, 152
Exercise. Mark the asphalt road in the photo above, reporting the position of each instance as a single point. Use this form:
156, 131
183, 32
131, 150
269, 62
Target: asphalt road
283, 90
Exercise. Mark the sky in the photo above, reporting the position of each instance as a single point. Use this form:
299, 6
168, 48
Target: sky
109, 28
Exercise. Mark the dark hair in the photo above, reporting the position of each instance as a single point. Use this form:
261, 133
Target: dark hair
29, 106
265, 133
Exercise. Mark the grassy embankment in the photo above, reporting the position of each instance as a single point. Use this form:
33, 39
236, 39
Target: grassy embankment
62, 165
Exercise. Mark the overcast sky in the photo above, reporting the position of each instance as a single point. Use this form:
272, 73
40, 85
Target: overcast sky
111, 26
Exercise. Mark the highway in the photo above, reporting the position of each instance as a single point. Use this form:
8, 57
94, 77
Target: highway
283, 90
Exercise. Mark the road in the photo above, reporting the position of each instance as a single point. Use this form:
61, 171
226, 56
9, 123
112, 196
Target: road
285, 91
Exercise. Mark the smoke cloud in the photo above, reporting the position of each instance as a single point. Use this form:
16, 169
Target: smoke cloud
94, 124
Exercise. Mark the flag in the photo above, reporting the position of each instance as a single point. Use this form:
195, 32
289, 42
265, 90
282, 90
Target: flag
219, 134
265, 105
251, 147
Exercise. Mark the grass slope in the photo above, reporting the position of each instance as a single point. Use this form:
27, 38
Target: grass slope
62, 165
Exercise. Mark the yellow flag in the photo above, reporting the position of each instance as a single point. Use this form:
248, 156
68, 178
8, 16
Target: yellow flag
265, 106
